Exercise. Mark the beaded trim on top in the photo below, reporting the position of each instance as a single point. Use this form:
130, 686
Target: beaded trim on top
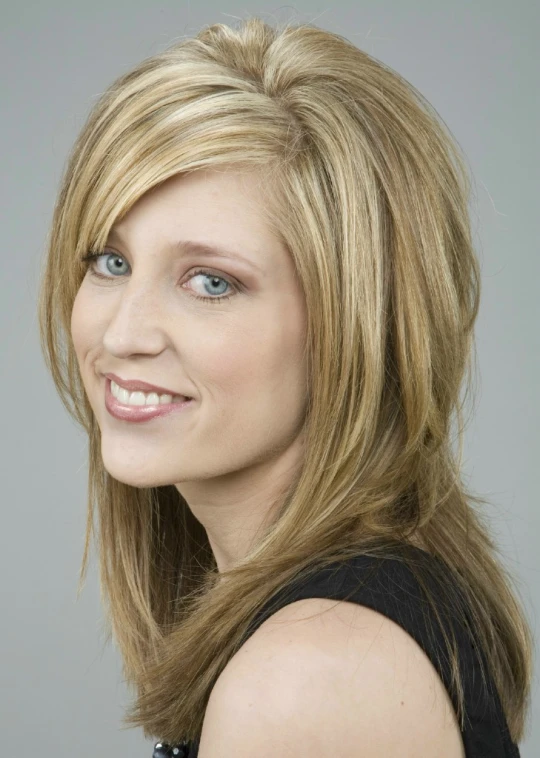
164, 750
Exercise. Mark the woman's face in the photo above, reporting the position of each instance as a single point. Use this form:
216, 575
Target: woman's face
241, 359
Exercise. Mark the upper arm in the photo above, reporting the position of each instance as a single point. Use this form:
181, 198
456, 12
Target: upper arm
305, 683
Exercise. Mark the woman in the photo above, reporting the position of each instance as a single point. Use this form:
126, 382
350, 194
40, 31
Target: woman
259, 301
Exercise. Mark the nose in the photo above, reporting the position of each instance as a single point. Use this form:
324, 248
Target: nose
137, 323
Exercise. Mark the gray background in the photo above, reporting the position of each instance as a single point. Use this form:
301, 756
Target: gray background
477, 63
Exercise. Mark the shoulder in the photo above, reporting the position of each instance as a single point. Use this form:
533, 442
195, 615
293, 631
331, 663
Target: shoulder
321, 672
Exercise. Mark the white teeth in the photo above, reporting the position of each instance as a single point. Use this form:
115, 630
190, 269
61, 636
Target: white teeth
141, 398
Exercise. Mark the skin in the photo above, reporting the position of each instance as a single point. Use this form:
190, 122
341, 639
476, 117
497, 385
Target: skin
234, 451
319, 674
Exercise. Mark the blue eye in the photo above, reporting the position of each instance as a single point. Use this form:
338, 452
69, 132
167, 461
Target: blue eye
212, 278
91, 259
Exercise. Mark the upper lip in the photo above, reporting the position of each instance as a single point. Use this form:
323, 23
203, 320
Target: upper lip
134, 384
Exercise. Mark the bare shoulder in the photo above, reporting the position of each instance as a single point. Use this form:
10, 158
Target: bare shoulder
321, 673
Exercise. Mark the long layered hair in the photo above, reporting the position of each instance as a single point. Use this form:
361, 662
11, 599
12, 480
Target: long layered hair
369, 192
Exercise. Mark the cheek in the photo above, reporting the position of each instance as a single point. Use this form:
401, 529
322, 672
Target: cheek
258, 360
236, 357
84, 326
78, 321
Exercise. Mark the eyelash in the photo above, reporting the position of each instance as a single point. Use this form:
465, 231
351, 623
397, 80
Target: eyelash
90, 257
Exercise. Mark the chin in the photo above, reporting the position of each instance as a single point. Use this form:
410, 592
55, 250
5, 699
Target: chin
129, 470
134, 479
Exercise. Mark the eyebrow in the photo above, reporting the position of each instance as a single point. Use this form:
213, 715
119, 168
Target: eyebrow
198, 248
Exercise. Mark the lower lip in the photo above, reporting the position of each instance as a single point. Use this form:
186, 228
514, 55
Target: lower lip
139, 413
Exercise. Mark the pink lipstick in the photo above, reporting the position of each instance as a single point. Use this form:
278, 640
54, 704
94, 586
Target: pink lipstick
137, 413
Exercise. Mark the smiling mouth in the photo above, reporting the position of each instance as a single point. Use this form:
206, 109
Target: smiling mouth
137, 411
139, 398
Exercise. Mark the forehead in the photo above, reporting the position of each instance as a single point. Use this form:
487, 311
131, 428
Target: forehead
216, 194
219, 213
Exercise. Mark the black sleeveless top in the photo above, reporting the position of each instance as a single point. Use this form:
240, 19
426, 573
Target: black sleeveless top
388, 586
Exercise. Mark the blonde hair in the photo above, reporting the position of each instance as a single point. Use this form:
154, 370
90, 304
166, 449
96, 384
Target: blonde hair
369, 192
